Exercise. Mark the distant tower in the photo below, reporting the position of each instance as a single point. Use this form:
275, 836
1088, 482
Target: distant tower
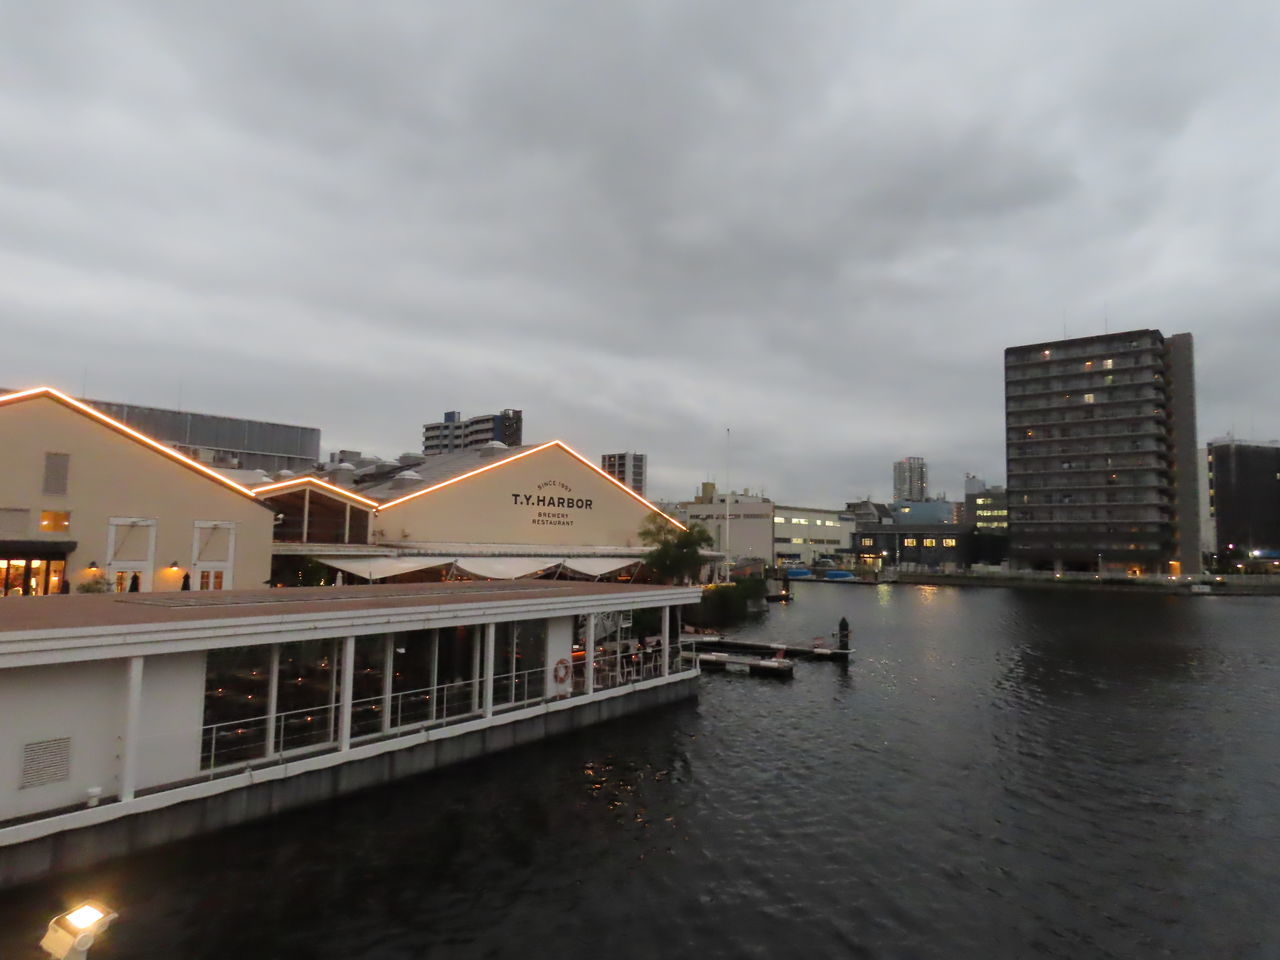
626, 468
910, 479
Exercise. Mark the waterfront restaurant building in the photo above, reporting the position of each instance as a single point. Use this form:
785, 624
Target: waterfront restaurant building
137, 719
483, 513
84, 497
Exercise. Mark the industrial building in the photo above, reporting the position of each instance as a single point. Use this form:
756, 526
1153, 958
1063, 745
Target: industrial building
1101, 455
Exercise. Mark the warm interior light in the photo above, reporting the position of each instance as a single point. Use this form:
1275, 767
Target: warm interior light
84, 917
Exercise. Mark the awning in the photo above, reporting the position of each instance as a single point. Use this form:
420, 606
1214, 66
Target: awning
598, 566
379, 568
504, 568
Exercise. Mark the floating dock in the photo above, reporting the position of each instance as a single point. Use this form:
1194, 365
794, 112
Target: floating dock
756, 666
718, 643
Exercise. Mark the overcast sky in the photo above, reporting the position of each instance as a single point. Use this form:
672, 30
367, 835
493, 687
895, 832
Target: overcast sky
817, 224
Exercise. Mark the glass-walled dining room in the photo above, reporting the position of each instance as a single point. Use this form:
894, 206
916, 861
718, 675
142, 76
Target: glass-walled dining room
281, 700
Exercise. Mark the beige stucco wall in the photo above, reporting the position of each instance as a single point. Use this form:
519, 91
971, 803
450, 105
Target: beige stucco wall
500, 506
112, 475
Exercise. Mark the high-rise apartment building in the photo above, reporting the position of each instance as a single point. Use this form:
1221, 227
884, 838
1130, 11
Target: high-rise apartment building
1101, 454
1244, 498
454, 433
911, 479
627, 468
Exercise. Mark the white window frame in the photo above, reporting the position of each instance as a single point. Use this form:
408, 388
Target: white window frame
226, 566
148, 566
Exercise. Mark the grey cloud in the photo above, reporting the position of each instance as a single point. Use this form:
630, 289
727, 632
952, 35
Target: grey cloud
816, 223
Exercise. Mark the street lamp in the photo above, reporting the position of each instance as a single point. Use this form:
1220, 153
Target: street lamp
71, 934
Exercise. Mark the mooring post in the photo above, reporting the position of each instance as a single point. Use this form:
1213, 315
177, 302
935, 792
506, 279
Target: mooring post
843, 633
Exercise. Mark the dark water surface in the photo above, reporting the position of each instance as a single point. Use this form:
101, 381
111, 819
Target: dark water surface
1001, 773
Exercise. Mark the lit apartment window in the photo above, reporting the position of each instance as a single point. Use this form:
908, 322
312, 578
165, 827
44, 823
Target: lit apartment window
1108, 364
54, 521
948, 541
930, 542
797, 539
909, 542
1088, 398
779, 519
800, 520
868, 542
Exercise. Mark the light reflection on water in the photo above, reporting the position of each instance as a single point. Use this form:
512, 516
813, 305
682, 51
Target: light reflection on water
998, 774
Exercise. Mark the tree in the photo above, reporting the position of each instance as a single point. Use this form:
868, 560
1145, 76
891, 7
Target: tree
676, 553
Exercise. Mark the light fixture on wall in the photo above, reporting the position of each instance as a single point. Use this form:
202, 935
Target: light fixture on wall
173, 565
71, 934
93, 564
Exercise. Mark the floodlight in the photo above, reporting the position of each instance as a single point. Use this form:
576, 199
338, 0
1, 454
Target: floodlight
71, 934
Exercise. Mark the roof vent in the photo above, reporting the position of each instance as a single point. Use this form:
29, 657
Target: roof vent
405, 479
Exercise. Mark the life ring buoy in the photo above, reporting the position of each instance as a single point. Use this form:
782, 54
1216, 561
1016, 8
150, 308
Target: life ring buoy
562, 671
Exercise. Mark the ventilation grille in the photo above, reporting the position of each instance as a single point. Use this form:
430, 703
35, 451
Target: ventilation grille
46, 761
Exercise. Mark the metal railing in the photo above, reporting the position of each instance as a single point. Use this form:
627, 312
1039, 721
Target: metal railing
238, 743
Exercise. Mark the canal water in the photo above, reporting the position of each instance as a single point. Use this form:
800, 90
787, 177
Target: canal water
1000, 773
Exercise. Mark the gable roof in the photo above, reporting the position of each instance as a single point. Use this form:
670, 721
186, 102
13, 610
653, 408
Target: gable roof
50, 393
437, 483
286, 486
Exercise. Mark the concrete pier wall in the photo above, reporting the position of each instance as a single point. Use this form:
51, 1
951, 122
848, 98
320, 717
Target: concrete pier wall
80, 847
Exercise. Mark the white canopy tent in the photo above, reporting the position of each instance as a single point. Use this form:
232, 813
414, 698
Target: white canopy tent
379, 568
598, 566
505, 568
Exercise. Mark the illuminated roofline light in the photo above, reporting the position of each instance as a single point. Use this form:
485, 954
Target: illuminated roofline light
315, 481
126, 430
528, 453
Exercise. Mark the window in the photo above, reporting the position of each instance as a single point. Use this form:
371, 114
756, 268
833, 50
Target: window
948, 541
779, 519
54, 521
13, 521
868, 542
800, 520
1088, 398
909, 542
210, 579
1108, 364
930, 542
57, 467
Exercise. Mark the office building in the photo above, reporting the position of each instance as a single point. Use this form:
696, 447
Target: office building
454, 433
1244, 499
627, 468
910, 479
1101, 455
